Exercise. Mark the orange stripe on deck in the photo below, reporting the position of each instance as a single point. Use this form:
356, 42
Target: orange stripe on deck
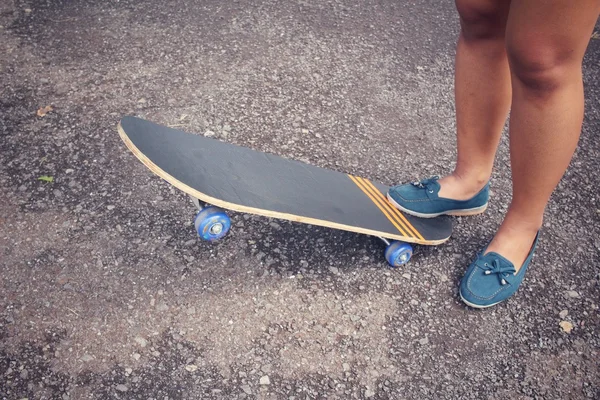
379, 205
382, 200
397, 212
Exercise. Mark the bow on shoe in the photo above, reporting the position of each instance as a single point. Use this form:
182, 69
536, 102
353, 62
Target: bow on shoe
501, 270
427, 183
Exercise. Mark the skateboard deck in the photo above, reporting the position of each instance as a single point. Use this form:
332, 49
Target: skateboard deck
249, 181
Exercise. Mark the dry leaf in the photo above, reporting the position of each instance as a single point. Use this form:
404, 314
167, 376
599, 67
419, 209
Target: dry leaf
44, 110
566, 326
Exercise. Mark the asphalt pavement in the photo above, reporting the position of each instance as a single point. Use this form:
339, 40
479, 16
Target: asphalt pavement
107, 293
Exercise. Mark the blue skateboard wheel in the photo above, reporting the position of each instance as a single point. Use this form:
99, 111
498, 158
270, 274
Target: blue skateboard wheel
398, 253
212, 223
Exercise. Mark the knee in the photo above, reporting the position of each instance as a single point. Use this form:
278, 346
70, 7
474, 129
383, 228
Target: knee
481, 19
541, 65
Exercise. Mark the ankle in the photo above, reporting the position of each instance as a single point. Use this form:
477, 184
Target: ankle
473, 180
461, 187
522, 221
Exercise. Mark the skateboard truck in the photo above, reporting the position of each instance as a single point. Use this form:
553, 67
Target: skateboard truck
212, 223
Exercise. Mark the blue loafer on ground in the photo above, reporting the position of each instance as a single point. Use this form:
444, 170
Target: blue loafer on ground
421, 200
491, 279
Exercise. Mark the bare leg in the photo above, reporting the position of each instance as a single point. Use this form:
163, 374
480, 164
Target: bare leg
546, 41
482, 94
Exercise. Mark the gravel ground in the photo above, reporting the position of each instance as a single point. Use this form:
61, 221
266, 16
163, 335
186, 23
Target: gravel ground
106, 293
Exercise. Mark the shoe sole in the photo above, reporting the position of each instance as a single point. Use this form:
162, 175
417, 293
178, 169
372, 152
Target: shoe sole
477, 305
457, 213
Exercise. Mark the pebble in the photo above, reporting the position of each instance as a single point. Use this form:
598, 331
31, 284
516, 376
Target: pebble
424, 341
369, 393
209, 134
191, 367
572, 294
86, 358
246, 389
563, 314
266, 368
122, 388
141, 341
566, 326
265, 380
136, 356
110, 207
346, 367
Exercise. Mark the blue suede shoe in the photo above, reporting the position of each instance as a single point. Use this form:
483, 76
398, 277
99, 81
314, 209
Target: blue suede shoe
421, 200
491, 279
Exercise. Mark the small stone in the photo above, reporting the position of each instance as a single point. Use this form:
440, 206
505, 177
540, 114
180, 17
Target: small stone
27, 10
209, 134
334, 270
563, 314
305, 131
266, 368
142, 101
246, 389
265, 380
226, 128
346, 367
110, 207
572, 294
122, 388
136, 356
24, 374
69, 171
369, 393
566, 326
406, 276
141, 341
86, 358
424, 341
191, 367
128, 371
354, 318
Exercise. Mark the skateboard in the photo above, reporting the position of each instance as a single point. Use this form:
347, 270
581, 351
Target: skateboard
219, 175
